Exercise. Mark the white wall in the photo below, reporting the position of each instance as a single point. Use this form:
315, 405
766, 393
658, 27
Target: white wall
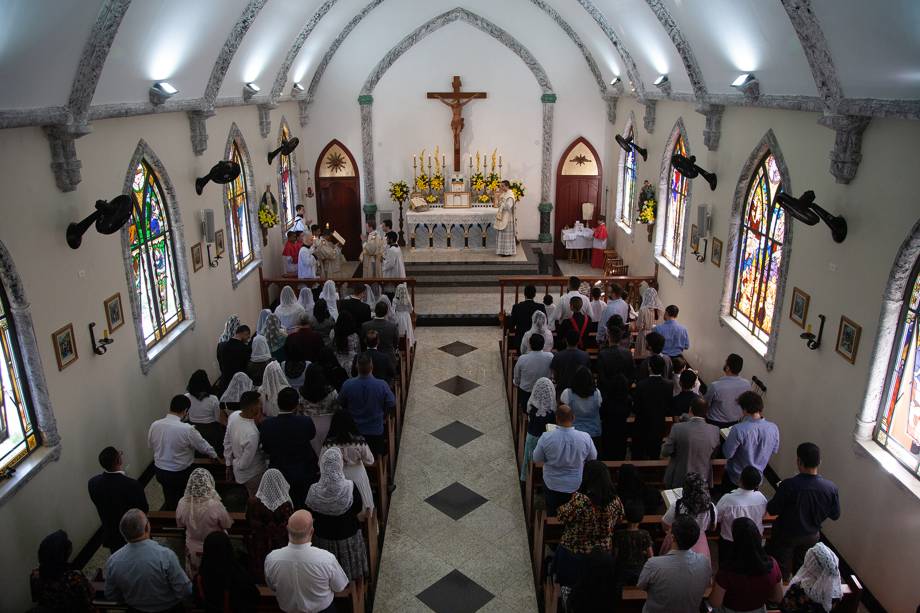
813, 395
105, 400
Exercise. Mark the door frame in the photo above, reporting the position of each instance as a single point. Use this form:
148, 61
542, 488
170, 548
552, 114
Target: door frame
356, 179
600, 184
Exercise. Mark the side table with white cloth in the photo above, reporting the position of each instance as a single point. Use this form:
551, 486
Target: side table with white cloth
576, 240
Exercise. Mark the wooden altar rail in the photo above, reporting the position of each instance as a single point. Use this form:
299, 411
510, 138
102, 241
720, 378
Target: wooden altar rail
560, 284
265, 284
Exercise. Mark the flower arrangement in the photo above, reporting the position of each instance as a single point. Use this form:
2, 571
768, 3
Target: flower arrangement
647, 204
399, 191
492, 181
478, 182
436, 183
268, 218
517, 188
484, 198
431, 198
422, 182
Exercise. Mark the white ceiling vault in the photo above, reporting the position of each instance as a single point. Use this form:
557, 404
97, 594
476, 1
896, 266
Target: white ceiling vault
67, 62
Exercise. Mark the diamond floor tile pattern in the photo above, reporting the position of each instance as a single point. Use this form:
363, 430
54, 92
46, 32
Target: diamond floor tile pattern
457, 385
456, 434
455, 593
456, 500
457, 348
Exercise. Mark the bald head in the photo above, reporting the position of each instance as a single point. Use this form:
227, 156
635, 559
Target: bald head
564, 416
300, 527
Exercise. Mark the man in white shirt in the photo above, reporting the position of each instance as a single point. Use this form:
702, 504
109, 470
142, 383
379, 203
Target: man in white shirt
563, 306
241, 444
615, 306
304, 578
298, 225
530, 367
174, 444
746, 501
722, 394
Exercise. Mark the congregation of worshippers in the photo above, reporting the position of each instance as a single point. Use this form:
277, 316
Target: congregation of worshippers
637, 476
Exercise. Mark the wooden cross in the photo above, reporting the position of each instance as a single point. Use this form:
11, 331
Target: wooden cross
456, 100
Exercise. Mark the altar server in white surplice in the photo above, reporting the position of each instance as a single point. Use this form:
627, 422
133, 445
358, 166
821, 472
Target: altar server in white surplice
393, 266
373, 250
306, 263
505, 243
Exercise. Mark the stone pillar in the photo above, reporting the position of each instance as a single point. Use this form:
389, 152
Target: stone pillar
546, 234
546, 172
367, 146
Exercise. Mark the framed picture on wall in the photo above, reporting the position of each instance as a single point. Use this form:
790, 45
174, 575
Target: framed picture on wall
219, 245
716, 257
114, 314
197, 259
694, 238
848, 339
65, 346
798, 308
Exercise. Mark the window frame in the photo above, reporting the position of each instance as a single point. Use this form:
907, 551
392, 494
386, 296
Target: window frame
241, 270
17, 370
675, 268
288, 211
624, 215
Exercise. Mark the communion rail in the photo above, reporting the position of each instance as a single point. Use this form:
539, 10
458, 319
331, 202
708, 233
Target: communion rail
266, 284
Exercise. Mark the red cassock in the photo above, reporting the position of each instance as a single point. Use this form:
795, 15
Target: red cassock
599, 245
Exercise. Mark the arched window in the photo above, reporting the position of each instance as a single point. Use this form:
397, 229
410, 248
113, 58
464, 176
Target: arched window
898, 428
287, 187
675, 209
18, 437
759, 252
627, 191
240, 224
153, 262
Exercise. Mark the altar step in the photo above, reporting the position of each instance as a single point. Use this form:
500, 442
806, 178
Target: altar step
469, 271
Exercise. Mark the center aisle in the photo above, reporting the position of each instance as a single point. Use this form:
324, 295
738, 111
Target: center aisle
456, 540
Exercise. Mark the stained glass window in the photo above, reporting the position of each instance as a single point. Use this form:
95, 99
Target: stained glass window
628, 181
674, 210
286, 186
153, 262
18, 438
899, 424
240, 225
759, 252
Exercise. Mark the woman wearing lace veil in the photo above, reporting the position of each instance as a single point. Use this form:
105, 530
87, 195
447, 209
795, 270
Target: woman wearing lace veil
402, 308
539, 325
541, 410
273, 381
816, 585
230, 399
233, 322
267, 514
200, 512
258, 360
289, 310
276, 336
305, 298
263, 317
331, 295
651, 313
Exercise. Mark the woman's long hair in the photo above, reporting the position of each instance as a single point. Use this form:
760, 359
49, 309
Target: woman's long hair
315, 386
199, 386
630, 483
596, 483
345, 326
583, 382
748, 555
53, 555
343, 430
321, 310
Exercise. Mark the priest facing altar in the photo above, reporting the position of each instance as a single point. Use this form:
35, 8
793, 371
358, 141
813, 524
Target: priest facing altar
506, 241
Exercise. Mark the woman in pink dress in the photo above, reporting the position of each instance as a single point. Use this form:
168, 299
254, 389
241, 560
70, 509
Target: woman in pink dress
200, 512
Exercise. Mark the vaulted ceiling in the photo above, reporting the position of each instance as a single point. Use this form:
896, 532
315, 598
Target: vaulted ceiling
68, 61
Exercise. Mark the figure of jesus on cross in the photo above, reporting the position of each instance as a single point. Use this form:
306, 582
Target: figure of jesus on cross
456, 100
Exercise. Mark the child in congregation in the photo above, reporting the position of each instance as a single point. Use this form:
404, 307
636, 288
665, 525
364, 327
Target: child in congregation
552, 313
596, 306
632, 546
679, 365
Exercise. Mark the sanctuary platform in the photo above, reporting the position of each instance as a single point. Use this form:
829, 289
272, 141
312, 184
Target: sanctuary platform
440, 267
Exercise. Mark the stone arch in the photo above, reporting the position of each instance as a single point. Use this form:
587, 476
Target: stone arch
236, 136
678, 131
144, 152
767, 144
621, 163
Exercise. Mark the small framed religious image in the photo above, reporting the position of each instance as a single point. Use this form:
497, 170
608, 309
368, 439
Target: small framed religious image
65, 346
114, 314
798, 309
197, 259
716, 257
848, 339
219, 245
694, 238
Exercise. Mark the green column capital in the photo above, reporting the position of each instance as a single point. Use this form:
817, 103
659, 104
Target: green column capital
548, 98
545, 207
365, 100
370, 209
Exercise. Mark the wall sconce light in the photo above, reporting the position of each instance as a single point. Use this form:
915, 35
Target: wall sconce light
627, 144
687, 167
812, 341
160, 92
663, 83
805, 210
221, 173
102, 345
250, 90
748, 84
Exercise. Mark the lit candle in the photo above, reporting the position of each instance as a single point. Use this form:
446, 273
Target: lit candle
808, 329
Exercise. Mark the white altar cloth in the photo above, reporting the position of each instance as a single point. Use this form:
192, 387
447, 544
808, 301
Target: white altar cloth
474, 223
578, 238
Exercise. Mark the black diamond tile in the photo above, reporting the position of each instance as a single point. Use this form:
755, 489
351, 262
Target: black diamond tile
455, 593
457, 348
456, 500
457, 385
457, 434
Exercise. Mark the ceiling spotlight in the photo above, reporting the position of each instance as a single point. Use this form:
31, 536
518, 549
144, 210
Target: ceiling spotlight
663, 83
296, 90
627, 144
805, 210
748, 84
161, 91
250, 90
615, 80
687, 167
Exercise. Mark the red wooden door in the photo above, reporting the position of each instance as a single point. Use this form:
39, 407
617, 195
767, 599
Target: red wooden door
338, 196
578, 180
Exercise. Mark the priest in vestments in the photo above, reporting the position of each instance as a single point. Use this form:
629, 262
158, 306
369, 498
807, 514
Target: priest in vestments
327, 255
372, 251
599, 245
505, 243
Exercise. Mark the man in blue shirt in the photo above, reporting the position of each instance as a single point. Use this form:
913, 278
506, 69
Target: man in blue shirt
676, 339
801, 504
751, 442
366, 399
723, 393
563, 452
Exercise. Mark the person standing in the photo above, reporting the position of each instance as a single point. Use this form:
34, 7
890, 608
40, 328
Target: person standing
267, 514
522, 314
289, 254
393, 265
568, 360
615, 373
286, 439
751, 442
372, 251
749, 578
113, 493
55, 584
367, 399
245, 461
306, 262
690, 446
563, 452
676, 338
355, 304
328, 255
174, 444
233, 354
387, 331
299, 225
651, 310
539, 327
801, 504
722, 394
303, 577
653, 398
676, 581
530, 367
615, 306
200, 512
384, 364
746, 501
505, 239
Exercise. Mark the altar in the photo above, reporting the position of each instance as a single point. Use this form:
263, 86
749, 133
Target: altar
466, 228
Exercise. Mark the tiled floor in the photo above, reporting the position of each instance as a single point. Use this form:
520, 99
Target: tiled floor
456, 541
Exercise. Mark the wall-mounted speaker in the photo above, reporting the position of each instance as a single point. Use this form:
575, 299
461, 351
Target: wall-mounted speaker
704, 220
207, 225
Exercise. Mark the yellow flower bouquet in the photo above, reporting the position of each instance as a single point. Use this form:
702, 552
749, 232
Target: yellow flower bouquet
517, 188
478, 182
399, 191
422, 183
437, 182
267, 218
431, 198
484, 198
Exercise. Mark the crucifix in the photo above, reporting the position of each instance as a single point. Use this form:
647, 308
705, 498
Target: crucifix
456, 100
